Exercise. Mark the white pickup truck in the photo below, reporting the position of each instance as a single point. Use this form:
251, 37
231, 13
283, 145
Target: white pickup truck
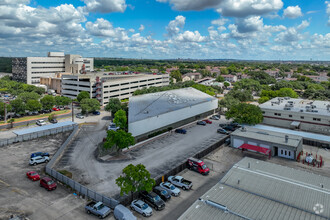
179, 181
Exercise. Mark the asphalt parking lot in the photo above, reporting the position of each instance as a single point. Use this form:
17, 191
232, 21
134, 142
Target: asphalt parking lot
19, 195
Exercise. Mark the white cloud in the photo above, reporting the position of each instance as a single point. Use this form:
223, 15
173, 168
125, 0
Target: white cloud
250, 24
219, 22
105, 6
192, 5
328, 11
189, 36
103, 28
141, 28
174, 26
14, 2
292, 12
292, 34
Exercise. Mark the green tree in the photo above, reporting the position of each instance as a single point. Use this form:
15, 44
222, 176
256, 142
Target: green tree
263, 99
226, 84
176, 75
25, 96
245, 114
2, 108
48, 101
62, 100
262, 78
89, 105
83, 95
228, 102
11, 121
241, 95
120, 119
135, 179
248, 84
18, 106
33, 105
119, 140
287, 92
220, 79
113, 106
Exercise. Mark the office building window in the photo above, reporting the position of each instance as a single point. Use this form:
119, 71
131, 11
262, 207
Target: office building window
290, 116
316, 119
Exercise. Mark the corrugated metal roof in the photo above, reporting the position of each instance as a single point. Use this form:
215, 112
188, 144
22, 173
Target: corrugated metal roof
265, 191
43, 128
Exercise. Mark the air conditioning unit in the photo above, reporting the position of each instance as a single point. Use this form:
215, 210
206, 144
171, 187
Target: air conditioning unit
287, 108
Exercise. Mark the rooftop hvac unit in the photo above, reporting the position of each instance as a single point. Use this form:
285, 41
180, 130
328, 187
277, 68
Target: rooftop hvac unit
287, 108
288, 105
301, 110
315, 110
308, 107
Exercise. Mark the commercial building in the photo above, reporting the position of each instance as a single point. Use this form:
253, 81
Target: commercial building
54, 83
267, 142
168, 109
255, 189
30, 69
104, 87
300, 114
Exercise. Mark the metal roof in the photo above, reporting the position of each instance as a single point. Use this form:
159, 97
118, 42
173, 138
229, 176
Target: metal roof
43, 128
268, 136
303, 134
261, 190
153, 104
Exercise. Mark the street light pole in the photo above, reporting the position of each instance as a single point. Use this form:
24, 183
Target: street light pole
72, 111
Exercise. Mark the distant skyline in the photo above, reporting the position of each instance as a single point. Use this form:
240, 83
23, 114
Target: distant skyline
167, 29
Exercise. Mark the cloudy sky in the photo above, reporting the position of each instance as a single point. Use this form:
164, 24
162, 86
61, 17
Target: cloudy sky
216, 29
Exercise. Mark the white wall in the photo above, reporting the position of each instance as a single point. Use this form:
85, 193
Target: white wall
149, 124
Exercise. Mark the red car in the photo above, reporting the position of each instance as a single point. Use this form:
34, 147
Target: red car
198, 166
48, 183
33, 175
56, 109
208, 121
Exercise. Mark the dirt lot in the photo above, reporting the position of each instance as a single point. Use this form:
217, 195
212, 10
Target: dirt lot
19, 195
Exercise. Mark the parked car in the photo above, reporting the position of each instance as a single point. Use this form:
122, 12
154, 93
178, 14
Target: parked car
47, 183
222, 131
181, 131
170, 188
164, 194
122, 213
79, 115
53, 121
179, 181
96, 113
207, 121
40, 122
98, 209
35, 113
55, 109
229, 128
223, 125
214, 117
38, 160
198, 166
28, 113
37, 154
16, 115
235, 125
201, 123
153, 200
113, 127
33, 175
141, 207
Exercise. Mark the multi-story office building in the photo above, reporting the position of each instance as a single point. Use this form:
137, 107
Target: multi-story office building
307, 115
104, 87
30, 69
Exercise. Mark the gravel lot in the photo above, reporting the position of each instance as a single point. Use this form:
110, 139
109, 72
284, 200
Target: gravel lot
19, 195
158, 156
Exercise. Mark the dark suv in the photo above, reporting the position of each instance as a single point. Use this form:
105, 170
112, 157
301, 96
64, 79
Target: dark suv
153, 200
164, 195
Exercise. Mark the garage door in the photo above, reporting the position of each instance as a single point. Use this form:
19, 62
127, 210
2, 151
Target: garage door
237, 143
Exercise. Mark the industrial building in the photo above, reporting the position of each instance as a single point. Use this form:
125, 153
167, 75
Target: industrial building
104, 87
255, 189
299, 114
30, 69
267, 142
168, 109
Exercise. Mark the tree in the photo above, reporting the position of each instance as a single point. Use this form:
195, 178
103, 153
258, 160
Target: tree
2, 108
287, 92
118, 139
48, 101
248, 84
89, 105
262, 77
241, 95
11, 121
18, 106
176, 75
25, 96
220, 79
120, 119
263, 99
33, 105
62, 100
245, 114
113, 106
226, 84
135, 179
228, 102
83, 95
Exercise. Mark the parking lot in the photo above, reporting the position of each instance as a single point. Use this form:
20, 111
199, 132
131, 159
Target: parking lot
19, 195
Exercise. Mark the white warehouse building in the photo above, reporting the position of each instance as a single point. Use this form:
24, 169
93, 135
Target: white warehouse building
153, 112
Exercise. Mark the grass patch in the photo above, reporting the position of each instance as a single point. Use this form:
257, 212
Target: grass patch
39, 116
66, 173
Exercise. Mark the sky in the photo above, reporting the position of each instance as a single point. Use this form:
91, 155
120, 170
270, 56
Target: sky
167, 29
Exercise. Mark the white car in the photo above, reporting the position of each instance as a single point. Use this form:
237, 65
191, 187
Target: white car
38, 159
40, 122
215, 117
141, 207
113, 127
174, 191
79, 115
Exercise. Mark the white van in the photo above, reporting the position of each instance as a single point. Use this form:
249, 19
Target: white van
122, 213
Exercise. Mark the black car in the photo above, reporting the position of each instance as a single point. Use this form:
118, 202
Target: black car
164, 195
153, 200
201, 123
223, 125
222, 131
229, 128
54, 121
235, 125
35, 113
181, 131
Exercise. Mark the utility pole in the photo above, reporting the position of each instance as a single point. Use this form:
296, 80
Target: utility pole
72, 111
5, 112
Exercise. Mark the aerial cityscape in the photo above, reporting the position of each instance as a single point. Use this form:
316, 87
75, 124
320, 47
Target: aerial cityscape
164, 109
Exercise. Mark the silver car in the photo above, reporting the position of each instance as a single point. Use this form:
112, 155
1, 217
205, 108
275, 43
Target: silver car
141, 207
79, 116
174, 191
40, 122
38, 159
113, 127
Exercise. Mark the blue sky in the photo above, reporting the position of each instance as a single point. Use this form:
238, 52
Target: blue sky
161, 29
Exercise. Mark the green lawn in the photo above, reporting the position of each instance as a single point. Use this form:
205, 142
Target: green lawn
26, 118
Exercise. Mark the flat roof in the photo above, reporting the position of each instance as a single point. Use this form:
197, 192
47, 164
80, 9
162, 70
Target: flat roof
268, 135
298, 105
257, 189
308, 135
153, 104
43, 128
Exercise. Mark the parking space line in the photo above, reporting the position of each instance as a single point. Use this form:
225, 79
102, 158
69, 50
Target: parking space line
3, 182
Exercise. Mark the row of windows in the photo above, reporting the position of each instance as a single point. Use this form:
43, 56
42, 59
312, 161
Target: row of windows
48, 67
47, 62
133, 87
301, 117
133, 83
47, 72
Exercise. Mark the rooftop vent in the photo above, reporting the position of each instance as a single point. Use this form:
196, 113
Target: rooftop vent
286, 138
287, 108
